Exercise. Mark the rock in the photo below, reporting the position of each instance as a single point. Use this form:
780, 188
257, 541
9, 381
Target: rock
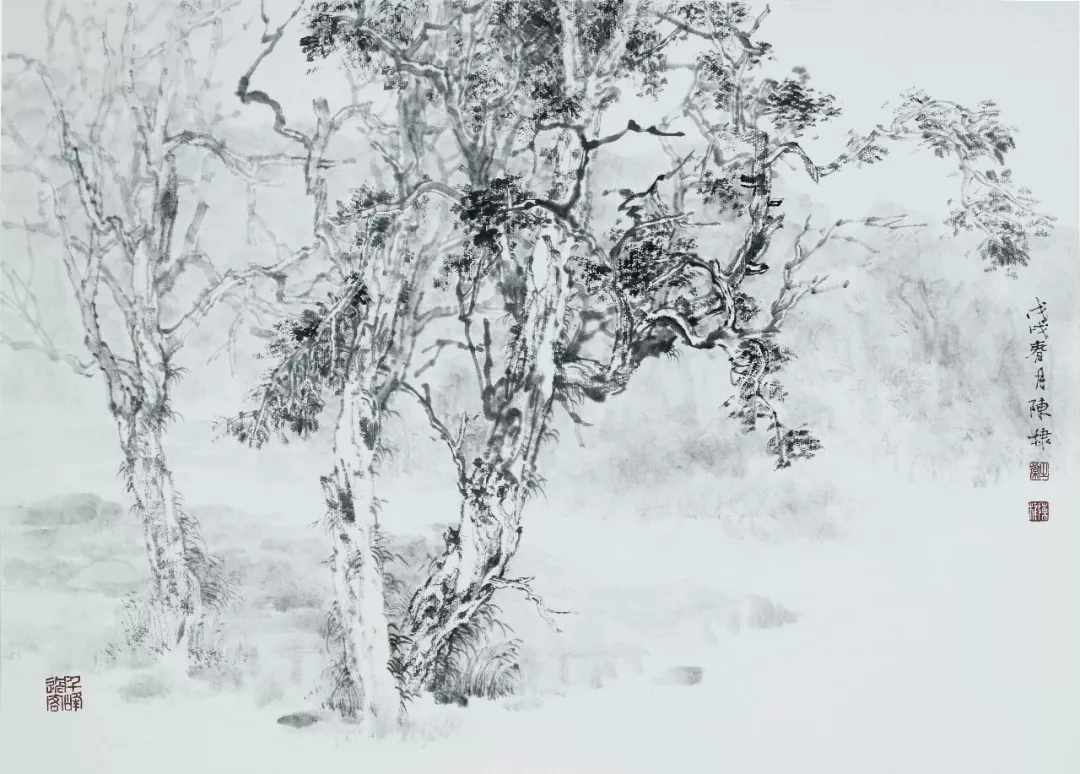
299, 719
682, 675
144, 686
451, 697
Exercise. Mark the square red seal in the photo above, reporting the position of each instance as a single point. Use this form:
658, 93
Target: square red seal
63, 693
1038, 510
1039, 471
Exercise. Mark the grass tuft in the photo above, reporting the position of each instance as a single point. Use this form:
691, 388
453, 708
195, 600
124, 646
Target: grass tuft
477, 664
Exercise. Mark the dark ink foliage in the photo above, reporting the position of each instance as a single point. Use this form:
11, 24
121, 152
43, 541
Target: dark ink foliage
497, 210
642, 264
310, 356
990, 201
494, 218
362, 203
722, 194
796, 106
1010, 223
792, 445
340, 27
746, 309
538, 28
936, 121
367, 206
864, 152
645, 56
327, 26
723, 16
757, 397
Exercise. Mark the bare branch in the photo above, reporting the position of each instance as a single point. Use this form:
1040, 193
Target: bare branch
453, 442
523, 585
18, 296
245, 166
794, 290
439, 346
229, 346
248, 96
226, 284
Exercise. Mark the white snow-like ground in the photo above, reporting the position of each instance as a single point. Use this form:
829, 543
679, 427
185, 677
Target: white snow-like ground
938, 636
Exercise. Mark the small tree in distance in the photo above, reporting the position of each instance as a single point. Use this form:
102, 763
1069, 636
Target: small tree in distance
116, 129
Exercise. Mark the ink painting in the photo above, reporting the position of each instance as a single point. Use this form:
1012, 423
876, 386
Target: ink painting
599, 386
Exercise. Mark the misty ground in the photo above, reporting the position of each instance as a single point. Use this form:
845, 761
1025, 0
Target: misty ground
885, 608
923, 631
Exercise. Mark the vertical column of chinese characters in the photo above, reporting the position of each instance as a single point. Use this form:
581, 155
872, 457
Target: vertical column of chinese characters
1038, 406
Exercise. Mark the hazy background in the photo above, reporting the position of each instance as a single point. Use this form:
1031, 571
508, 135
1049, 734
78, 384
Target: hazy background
861, 371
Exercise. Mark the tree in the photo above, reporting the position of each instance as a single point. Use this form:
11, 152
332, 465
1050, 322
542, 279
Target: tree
524, 89
382, 243
117, 130
519, 85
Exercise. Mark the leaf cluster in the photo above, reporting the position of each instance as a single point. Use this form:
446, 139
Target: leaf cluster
310, 356
796, 106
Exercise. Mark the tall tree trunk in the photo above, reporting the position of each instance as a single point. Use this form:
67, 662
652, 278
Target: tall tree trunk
467, 575
356, 565
185, 579
498, 481
174, 581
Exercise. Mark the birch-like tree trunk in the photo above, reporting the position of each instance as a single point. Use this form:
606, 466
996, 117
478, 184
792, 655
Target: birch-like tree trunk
185, 579
356, 564
171, 537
